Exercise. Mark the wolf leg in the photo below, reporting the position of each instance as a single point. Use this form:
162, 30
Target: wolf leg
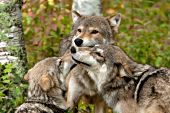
74, 92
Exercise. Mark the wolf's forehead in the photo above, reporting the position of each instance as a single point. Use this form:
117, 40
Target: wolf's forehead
88, 27
97, 22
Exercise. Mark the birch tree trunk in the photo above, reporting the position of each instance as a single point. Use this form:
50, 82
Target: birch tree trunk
88, 7
11, 35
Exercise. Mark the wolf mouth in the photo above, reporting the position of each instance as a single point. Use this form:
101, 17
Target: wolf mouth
79, 62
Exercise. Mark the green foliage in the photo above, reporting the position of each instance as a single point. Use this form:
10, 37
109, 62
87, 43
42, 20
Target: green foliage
45, 23
12, 88
145, 31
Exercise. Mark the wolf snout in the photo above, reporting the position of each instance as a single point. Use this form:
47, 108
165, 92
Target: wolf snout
78, 42
73, 50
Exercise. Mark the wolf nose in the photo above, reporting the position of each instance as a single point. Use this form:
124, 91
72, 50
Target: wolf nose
73, 50
78, 42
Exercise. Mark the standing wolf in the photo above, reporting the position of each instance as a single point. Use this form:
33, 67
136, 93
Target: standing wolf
86, 32
126, 86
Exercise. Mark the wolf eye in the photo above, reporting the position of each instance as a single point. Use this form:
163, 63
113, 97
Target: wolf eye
94, 32
79, 30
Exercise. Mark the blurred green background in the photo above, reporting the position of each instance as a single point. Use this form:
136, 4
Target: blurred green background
144, 34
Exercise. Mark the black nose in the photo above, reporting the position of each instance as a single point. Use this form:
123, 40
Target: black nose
73, 49
78, 42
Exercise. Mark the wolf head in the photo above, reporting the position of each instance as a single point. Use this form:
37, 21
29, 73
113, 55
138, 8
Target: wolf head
46, 79
91, 30
51, 67
103, 60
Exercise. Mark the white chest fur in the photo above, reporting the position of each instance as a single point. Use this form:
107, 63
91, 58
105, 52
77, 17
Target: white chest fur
99, 75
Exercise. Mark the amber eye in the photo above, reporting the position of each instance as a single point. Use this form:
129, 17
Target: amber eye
94, 32
79, 30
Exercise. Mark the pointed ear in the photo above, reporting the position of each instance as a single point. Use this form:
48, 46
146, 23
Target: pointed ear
124, 71
46, 82
75, 16
115, 22
26, 77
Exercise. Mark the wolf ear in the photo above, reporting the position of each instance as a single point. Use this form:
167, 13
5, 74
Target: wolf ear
75, 16
124, 71
115, 22
46, 82
26, 77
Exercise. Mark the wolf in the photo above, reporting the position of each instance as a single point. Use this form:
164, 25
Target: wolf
86, 32
125, 85
46, 92
90, 30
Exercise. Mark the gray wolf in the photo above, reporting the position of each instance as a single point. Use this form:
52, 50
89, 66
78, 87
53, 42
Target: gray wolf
86, 32
125, 85
46, 92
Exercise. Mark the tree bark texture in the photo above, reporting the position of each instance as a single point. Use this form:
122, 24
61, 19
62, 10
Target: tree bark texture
12, 47
88, 7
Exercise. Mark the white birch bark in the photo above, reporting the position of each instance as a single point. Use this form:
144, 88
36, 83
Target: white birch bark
11, 36
88, 7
